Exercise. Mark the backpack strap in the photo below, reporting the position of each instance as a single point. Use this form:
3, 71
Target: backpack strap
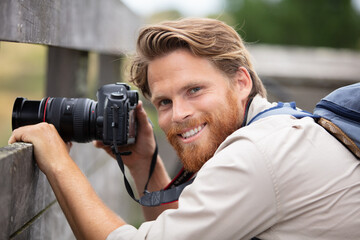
340, 135
283, 109
290, 109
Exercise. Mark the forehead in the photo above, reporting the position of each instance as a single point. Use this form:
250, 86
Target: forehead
179, 68
181, 60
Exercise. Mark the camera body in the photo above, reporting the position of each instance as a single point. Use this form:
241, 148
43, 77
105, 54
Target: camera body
117, 99
111, 118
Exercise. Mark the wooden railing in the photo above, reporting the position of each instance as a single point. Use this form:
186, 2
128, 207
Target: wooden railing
70, 29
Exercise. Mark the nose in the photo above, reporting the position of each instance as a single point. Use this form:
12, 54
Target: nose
181, 110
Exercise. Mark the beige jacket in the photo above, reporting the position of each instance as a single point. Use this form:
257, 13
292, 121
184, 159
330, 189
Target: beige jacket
279, 178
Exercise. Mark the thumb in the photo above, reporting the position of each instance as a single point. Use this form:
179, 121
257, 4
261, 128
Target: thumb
140, 112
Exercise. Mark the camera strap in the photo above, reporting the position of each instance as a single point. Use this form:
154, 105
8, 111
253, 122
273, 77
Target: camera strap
149, 199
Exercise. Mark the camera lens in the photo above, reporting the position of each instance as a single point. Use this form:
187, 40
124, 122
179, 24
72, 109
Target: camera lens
26, 112
133, 97
74, 118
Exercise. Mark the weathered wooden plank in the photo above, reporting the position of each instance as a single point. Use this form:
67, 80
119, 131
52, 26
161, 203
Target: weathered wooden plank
306, 66
50, 225
106, 26
24, 189
5, 196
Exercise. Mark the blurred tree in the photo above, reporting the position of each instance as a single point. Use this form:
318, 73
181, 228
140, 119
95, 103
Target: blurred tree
330, 23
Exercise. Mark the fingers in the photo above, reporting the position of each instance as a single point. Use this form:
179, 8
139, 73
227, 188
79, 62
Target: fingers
12, 139
50, 150
21, 135
41, 134
18, 135
140, 113
144, 126
68, 146
98, 144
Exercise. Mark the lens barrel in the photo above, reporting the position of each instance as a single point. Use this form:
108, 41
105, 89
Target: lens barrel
26, 112
74, 118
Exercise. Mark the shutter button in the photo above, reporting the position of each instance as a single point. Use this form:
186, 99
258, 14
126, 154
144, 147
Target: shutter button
117, 95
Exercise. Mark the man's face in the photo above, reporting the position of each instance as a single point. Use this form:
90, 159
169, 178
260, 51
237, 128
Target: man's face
197, 105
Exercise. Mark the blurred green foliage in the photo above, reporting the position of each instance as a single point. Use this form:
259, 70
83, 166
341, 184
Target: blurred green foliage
326, 23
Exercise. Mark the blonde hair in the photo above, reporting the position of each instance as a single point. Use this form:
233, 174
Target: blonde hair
203, 37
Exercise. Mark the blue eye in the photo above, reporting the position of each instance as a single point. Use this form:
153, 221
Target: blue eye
164, 102
194, 90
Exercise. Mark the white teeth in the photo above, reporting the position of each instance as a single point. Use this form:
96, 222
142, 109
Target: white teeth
192, 132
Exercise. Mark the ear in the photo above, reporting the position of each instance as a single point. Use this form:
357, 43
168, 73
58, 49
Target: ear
243, 83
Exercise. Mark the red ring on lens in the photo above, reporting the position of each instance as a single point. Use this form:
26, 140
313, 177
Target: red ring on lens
47, 100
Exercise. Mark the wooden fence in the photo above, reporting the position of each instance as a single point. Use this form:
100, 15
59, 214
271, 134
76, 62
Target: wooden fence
304, 75
70, 29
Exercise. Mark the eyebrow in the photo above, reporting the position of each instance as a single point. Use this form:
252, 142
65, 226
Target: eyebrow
157, 98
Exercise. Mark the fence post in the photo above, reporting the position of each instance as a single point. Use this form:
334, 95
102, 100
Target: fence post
109, 69
66, 72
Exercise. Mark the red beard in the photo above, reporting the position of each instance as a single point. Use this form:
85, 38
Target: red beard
220, 123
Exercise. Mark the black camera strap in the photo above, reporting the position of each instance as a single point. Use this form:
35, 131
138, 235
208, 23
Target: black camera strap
150, 199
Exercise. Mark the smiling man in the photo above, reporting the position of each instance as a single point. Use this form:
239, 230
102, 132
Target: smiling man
278, 178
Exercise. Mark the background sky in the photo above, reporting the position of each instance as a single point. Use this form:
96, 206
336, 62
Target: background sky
186, 7
199, 8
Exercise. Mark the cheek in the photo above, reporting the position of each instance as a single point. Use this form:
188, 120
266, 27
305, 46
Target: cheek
164, 121
211, 103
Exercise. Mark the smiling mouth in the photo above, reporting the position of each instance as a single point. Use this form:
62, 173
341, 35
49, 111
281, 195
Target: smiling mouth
192, 132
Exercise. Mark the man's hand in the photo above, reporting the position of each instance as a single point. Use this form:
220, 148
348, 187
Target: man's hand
142, 150
49, 149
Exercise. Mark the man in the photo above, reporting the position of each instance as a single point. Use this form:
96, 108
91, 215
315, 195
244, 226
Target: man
278, 178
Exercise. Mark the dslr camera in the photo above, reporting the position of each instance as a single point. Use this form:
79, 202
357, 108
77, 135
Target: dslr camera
111, 119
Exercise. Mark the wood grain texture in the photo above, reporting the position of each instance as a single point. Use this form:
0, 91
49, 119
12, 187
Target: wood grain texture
25, 191
106, 26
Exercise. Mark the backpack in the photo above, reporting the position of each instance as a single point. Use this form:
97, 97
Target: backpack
338, 113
